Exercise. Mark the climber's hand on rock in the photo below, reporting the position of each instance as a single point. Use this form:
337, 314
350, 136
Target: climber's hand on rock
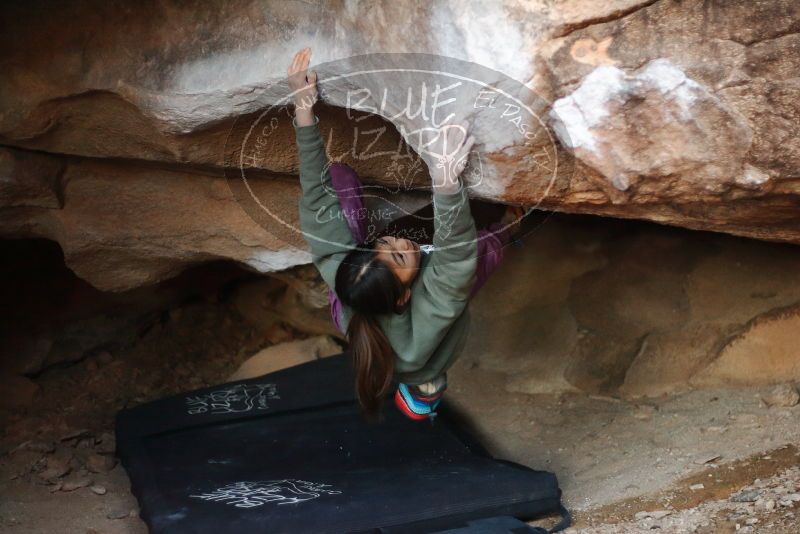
302, 82
446, 150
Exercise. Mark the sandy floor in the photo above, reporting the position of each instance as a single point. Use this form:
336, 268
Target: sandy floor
614, 459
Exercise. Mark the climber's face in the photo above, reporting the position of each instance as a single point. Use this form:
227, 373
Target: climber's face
401, 255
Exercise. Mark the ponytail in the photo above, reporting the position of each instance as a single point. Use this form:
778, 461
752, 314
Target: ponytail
373, 361
371, 289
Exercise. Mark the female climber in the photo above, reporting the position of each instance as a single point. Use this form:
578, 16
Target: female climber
403, 310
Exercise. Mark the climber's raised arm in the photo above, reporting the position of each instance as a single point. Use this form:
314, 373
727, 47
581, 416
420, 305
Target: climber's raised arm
321, 219
453, 263
450, 275
303, 84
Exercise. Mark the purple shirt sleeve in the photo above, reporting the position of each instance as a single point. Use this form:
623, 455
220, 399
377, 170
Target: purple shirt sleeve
336, 308
348, 188
491, 243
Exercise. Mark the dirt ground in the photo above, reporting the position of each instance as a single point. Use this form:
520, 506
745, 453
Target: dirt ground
624, 467
616, 459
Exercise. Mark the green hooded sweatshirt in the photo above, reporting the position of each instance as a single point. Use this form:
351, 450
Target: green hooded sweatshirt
430, 333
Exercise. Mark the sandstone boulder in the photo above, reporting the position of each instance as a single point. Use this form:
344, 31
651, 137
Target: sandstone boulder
637, 311
285, 355
765, 352
118, 121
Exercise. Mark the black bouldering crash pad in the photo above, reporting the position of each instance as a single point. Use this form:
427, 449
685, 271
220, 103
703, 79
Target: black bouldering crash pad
289, 452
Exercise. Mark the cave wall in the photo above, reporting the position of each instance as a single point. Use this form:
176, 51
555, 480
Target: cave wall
114, 118
637, 310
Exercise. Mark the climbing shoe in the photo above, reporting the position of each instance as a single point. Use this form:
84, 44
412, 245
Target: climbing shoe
415, 405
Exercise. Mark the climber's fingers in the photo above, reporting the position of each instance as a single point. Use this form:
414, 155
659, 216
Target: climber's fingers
295, 62
300, 61
305, 58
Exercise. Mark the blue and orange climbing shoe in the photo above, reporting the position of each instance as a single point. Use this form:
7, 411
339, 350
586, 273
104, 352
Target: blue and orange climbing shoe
416, 406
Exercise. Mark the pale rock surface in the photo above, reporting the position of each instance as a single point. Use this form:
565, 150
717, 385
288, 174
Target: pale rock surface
605, 117
285, 355
785, 395
764, 352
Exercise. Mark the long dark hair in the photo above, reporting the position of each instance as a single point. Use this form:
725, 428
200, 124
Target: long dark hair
370, 288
